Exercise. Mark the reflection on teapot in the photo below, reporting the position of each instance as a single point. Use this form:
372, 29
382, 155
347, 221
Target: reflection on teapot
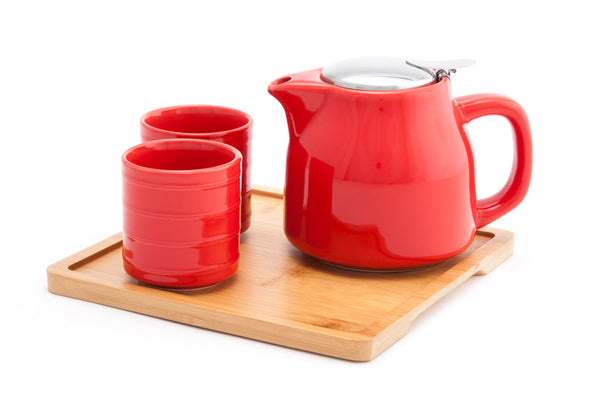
380, 172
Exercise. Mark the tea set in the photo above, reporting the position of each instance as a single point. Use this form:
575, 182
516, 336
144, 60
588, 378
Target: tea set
379, 174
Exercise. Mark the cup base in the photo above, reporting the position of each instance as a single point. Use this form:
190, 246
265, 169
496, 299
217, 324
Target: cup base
182, 290
182, 281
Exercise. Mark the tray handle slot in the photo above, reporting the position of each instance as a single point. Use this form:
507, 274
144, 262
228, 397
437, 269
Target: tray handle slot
95, 255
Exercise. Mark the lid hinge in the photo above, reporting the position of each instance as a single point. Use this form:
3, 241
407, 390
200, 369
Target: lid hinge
441, 73
441, 69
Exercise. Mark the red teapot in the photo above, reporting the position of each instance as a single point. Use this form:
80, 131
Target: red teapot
380, 172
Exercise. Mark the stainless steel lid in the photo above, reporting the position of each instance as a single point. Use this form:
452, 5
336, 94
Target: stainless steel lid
387, 73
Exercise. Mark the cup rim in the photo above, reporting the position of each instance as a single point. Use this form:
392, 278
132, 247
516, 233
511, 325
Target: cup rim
243, 127
237, 156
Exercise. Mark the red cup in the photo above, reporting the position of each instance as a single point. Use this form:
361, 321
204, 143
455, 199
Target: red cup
181, 212
206, 122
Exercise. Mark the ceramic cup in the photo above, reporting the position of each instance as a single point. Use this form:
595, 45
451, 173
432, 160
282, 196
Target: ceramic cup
216, 123
181, 212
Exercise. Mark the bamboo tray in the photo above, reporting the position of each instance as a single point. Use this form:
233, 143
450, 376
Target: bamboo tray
282, 296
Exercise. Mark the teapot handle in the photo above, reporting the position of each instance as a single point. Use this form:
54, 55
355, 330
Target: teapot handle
473, 106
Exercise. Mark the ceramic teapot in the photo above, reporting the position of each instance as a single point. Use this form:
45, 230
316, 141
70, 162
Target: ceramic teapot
380, 172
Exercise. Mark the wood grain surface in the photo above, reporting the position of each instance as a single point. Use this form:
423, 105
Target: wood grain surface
282, 296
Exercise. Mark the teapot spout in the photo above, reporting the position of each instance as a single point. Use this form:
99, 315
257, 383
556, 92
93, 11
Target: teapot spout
301, 95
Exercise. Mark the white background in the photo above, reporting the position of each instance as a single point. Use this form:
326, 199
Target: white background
75, 77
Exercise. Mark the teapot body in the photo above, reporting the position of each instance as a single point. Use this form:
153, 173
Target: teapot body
377, 180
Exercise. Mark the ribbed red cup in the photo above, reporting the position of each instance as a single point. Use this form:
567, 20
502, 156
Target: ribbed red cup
207, 122
181, 212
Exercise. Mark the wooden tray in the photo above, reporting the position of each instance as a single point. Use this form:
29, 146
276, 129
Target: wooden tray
282, 296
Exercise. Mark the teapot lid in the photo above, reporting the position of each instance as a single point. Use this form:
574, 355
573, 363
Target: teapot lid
387, 73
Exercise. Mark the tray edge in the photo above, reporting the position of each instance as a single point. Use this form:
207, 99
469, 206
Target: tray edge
495, 251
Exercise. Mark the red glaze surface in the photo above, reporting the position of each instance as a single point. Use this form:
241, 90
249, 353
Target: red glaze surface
384, 180
181, 212
207, 122
474, 106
